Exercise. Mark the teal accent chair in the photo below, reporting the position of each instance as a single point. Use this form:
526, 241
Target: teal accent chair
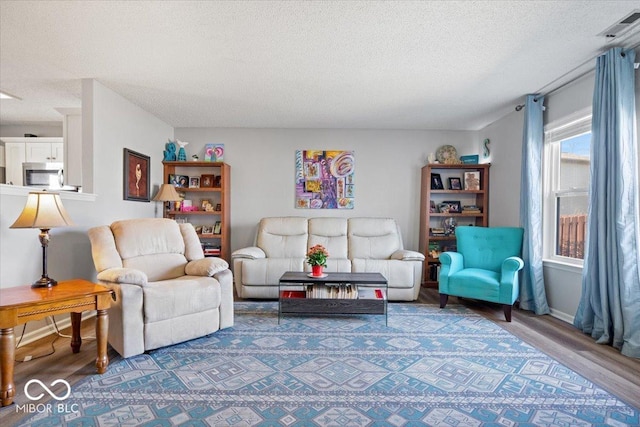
485, 266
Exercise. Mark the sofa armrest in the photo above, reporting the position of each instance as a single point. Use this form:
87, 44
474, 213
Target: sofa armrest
509, 289
252, 252
450, 263
206, 266
123, 275
512, 264
406, 255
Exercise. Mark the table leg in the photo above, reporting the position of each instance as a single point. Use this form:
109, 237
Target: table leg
7, 356
76, 339
102, 326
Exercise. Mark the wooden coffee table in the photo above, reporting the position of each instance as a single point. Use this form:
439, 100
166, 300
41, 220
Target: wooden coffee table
22, 304
293, 297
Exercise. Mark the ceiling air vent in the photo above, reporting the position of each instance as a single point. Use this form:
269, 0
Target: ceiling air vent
621, 27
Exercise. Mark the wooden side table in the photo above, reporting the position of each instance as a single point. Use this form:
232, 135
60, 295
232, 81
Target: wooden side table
23, 303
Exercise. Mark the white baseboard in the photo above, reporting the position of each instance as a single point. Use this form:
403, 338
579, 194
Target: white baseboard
48, 328
562, 316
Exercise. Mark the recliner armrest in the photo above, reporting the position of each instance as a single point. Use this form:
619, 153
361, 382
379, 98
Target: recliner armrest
407, 255
123, 275
206, 267
252, 252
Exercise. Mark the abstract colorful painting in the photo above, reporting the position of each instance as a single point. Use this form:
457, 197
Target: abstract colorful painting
325, 179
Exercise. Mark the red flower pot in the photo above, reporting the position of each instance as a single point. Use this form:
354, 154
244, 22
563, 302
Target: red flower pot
316, 270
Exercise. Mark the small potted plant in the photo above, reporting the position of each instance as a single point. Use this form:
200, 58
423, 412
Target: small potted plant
317, 259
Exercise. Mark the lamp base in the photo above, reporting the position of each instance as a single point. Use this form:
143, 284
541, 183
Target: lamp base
44, 282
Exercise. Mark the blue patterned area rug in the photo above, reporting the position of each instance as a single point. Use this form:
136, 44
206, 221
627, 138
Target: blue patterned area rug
428, 367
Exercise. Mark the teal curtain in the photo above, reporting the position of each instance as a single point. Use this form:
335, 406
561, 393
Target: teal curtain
609, 308
532, 294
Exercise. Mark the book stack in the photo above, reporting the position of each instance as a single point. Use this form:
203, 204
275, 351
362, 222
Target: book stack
210, 249
471, 209
437, 231
332, 292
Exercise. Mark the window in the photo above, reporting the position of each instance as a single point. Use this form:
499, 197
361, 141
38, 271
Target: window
567, 156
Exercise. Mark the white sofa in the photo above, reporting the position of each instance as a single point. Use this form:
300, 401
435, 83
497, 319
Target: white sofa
354, 245
166, 290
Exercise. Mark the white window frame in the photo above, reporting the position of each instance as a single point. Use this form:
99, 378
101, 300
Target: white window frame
576, 124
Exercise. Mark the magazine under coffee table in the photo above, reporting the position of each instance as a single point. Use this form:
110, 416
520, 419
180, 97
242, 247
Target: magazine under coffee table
332, 294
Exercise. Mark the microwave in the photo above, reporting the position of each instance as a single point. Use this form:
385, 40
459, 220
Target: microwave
48, 175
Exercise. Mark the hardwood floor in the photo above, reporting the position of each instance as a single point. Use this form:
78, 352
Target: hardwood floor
601, 364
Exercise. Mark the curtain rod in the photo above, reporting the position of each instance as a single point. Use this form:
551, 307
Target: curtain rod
521, 106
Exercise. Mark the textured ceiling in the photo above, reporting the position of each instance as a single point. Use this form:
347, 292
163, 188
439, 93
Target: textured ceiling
295, 64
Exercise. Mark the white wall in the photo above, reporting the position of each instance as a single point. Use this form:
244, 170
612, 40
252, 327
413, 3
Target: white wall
387, 175
563, 284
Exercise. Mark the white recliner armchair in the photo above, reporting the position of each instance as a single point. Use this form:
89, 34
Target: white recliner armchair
166, 290
354, 244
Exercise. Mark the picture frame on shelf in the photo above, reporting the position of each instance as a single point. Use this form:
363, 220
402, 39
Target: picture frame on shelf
436, 182
218, 207
472, 181
213, 152
450, 206
217, 228
179, 181
194, 182
136, 176
455, 183
432, 207
207, 229
198, 229
207, 181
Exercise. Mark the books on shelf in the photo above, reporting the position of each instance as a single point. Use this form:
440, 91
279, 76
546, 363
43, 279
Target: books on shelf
333, 292
469, 209
210, 249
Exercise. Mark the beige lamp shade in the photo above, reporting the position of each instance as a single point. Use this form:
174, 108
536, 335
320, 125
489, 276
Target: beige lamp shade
43, 210
167, 193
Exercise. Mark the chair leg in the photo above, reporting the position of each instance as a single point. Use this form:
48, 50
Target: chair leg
443, 300
507, 312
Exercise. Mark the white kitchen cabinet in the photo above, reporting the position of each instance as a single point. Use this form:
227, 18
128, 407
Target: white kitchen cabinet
43, 152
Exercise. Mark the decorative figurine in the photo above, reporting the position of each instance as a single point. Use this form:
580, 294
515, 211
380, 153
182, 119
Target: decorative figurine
182, 154
170, 152
195, 157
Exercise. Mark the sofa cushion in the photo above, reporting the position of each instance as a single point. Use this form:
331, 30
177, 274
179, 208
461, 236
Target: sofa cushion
137, 237
170, 299
284, 237
375, 238
475, 283
330, 233
158, 267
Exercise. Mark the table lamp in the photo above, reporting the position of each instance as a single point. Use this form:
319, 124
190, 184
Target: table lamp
167, 193
43, 210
